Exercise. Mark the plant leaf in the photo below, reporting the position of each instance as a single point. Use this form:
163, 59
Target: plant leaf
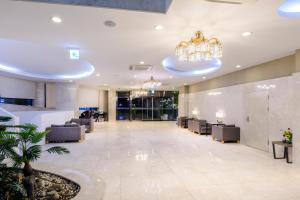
37, 137
58, 150
33, 153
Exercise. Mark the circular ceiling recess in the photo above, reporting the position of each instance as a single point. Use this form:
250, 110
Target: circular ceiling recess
290, 8
179, 68
41, 62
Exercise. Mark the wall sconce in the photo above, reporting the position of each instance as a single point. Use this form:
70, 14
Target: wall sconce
214, 93
220, 116
195, 113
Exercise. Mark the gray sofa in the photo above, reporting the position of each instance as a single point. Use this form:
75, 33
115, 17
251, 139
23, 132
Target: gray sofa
199, 126
88, 123
182, 122
65, 133
226, 133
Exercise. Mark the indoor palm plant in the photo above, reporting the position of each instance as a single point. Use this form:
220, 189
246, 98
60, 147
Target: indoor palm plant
28, 150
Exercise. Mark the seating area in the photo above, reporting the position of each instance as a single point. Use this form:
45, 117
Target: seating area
72, 131
219, 132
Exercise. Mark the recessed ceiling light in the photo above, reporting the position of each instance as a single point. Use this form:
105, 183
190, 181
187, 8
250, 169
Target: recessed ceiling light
97, 75
170, 76
204, 77
246, 34
142, 62
159, 27
56, 20
110, 23
238, 66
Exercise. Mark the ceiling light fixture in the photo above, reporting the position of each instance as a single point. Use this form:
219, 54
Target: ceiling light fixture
159, 27
199, 48
110, 23
152, 84
238, 66
246, 34
142, 62
56, 20
290, 8
97, 75
74, 54
204, 77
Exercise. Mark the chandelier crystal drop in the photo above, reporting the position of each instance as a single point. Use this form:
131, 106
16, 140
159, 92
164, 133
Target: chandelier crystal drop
152, 84
199, 48
139, 93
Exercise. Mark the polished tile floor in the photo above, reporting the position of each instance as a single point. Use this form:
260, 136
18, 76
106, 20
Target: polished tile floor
159, 161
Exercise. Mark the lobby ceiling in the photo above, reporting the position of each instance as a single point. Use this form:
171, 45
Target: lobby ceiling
134, 38
160, 6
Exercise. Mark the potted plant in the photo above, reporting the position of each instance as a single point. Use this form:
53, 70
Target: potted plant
26, 149
288, 136
4, 119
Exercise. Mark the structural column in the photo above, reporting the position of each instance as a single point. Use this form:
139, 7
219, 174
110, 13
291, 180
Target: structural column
112, 100
183, 107
66, 96
40, 95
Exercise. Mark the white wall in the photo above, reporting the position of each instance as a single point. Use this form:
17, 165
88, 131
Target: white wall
232, 101
17, 88
88, 97
44, 119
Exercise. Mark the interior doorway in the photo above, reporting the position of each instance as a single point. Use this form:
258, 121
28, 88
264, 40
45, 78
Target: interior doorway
257, 120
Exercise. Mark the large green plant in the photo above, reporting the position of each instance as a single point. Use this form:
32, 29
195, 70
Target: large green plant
26, 148
29, 149
11, 186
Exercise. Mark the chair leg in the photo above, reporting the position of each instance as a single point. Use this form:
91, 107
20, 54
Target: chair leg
222, 141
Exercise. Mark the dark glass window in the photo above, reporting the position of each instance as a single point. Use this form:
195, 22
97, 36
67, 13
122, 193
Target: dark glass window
17, 101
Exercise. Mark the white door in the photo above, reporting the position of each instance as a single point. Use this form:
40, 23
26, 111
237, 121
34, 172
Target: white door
257, 120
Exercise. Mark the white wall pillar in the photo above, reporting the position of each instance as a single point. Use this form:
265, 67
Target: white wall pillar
40, 95
112, 100
183, 101
66, 96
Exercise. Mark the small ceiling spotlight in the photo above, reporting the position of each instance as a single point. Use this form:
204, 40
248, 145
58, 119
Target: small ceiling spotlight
238, 66
204, 77
98, 75
170, 77
142, 62
159, 27
57, 20
246, 34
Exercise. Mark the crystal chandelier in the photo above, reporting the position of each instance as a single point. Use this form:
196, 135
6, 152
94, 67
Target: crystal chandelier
152, 84
199, 48
139, 93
